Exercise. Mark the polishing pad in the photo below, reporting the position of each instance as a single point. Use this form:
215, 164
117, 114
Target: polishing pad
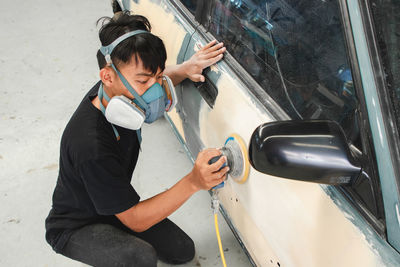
236, 152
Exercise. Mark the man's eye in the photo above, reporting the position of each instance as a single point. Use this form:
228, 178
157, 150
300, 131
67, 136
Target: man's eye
142, 82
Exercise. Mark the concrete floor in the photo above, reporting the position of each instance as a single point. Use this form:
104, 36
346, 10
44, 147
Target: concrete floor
48, 62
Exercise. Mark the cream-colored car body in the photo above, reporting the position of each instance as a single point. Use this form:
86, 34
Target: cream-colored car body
280, 222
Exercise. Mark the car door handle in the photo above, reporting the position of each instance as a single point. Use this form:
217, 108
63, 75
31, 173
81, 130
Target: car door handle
207, 89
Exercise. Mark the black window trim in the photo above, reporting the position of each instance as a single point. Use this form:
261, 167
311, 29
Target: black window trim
184, 11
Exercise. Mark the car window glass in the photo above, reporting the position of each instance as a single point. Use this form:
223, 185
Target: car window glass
387, 26
295, 50
191, 5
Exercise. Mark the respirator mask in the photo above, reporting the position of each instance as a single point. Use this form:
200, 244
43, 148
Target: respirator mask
149, 107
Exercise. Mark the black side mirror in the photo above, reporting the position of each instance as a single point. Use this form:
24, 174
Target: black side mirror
313, 151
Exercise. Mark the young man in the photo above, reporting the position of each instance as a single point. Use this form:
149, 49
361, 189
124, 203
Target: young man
97, 216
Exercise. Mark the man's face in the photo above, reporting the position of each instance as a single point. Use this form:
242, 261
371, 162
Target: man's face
138, 77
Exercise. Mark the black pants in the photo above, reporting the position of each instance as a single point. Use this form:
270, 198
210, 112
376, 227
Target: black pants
109, 245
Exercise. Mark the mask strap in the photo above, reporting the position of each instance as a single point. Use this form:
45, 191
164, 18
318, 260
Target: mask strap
104, 94
135, 94
103, 109
130, 88
107, 50
139, 136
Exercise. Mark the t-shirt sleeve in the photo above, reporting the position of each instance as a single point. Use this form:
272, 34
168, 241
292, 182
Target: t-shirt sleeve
108, 186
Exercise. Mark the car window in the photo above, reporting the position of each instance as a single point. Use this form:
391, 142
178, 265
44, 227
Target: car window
387, 26
295, 50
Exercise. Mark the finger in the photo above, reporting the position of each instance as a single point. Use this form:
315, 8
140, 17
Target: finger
197, 78
214, 53
213, 48
217, 179
215, 176
214, 60
210, 153
218, 164
210, 44
222, 173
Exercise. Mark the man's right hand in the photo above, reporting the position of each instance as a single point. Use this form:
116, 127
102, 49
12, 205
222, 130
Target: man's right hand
205, 176
147, 213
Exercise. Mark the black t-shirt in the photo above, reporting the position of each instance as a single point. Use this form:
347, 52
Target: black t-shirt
94, 180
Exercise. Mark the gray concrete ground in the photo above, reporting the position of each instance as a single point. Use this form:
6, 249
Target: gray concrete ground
47, 64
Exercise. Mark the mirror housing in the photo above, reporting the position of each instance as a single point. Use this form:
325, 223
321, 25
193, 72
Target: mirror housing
314, 151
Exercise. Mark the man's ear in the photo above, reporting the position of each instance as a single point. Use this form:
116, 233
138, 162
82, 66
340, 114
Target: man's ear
107, 76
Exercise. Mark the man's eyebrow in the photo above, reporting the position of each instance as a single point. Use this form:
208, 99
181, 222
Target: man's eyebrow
145, 74
148, 74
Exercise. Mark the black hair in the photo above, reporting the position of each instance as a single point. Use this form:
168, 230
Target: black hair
148, 47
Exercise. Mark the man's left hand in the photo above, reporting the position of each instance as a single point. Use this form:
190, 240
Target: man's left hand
205, 57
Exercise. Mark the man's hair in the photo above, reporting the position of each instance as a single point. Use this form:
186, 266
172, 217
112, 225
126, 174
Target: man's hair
148, 47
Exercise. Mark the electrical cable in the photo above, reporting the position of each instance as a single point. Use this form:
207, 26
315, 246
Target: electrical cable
279, 68
219, 239
215, 208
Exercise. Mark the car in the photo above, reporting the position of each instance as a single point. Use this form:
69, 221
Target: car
312, 87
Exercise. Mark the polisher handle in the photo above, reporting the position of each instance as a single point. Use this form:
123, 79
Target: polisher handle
213, 160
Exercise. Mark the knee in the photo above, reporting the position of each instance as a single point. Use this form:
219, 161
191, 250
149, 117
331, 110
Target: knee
188, 250
145, 256
183, 251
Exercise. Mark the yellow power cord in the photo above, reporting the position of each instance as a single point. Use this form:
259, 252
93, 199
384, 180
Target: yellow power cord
219, 239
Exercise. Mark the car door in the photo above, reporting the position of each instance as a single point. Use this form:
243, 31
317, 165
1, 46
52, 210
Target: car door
297, 53
285, 60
